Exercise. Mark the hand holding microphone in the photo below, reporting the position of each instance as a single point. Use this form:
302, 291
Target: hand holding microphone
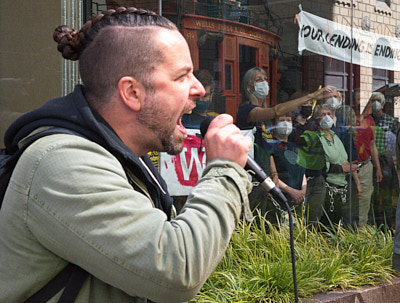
224, 139
216, 133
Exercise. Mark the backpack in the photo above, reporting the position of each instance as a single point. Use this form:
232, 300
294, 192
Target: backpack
72, 277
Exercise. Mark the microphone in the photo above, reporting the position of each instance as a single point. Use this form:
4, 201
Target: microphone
253, 168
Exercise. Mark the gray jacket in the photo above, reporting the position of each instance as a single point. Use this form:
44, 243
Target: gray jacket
69, 200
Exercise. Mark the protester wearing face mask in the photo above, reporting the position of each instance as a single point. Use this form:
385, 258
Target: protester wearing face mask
384, 123
302, 113
290, 176
292, 179
305, 113
198, 114
334, 102
385, 138
337, 166
311, 158
367, 158
322, 150
304, 119
343, 128
253, 108
254, 111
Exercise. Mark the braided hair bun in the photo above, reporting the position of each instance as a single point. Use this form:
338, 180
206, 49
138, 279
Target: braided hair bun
68, 42
71, 42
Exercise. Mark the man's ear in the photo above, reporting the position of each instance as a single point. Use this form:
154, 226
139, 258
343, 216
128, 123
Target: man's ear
131, 92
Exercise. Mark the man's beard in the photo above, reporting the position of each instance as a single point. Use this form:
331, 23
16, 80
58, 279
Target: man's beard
152, 116
172, 147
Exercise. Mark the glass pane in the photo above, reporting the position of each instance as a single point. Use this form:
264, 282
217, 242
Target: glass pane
228, 77
227, 38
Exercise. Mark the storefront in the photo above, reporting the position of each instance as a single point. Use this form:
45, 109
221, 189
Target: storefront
239, 47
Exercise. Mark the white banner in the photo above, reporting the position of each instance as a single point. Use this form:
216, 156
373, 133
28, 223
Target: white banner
327, 38
182, 172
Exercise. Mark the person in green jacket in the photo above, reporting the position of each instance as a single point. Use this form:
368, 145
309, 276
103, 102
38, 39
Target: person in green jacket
323, 152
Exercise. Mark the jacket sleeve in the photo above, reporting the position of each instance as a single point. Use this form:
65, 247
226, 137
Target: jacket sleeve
82, 208
297, 137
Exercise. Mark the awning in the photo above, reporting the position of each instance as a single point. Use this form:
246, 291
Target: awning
390, 91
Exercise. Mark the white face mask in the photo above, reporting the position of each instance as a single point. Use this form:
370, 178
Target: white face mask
333, 102
376, 107
284, 129
326, 122
261, 89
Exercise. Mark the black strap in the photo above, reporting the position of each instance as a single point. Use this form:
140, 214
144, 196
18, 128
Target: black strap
71, 277
74, 285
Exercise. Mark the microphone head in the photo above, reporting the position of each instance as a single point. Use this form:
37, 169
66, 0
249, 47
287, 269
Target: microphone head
205, 124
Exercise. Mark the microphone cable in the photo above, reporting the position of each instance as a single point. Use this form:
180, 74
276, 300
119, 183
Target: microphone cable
292, 252
259, 174
282, 200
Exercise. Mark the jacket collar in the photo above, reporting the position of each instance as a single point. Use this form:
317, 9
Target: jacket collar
73, 112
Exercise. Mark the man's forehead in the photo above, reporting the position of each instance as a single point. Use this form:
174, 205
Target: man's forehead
177, 55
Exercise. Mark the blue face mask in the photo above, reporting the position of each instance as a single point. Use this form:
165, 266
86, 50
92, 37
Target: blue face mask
201, 106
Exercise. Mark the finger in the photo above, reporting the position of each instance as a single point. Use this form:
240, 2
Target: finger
221, 120
224, 140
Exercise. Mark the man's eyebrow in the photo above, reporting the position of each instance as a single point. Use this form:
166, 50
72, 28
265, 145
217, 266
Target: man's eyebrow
180, 71
185, 68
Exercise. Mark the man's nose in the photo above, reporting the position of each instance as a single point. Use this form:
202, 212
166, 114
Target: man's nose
197, 88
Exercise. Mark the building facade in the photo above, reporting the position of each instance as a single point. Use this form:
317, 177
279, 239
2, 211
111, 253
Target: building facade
225, 36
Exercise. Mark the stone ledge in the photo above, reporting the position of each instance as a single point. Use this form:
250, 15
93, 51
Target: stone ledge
385, 293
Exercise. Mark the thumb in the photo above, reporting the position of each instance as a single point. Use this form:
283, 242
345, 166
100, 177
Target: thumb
221, 121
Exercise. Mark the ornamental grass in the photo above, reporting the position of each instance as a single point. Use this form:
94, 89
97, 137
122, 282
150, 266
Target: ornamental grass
257, 264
